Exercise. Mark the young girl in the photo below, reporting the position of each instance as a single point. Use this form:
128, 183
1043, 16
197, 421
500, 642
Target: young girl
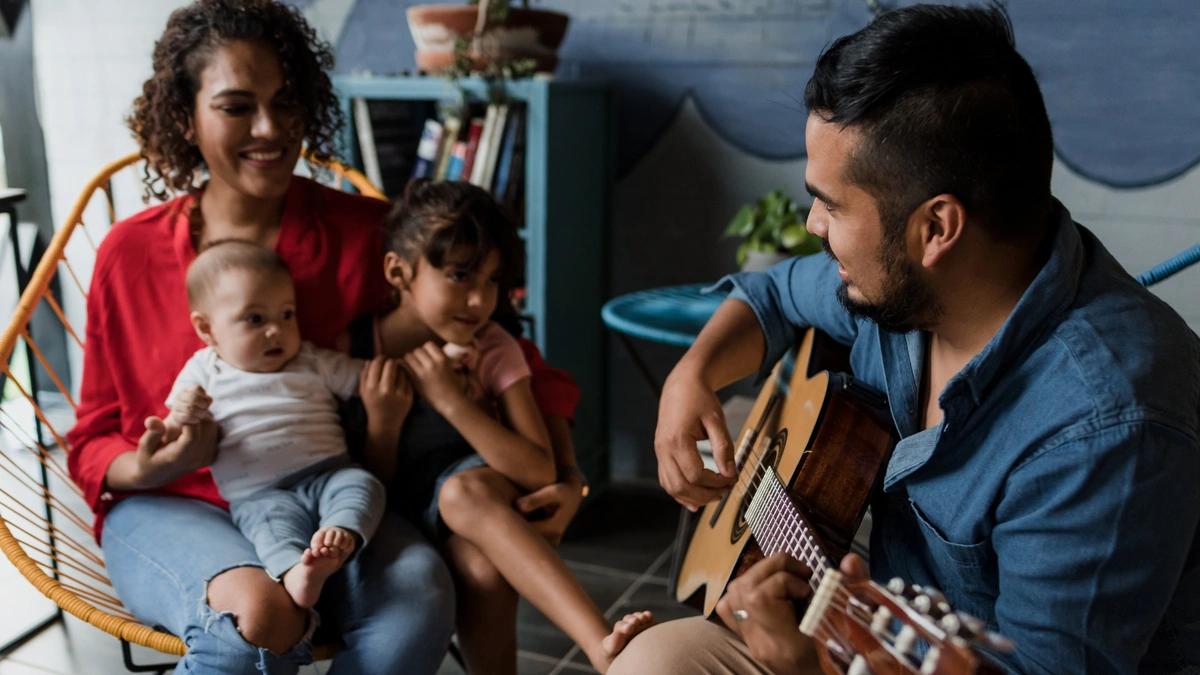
449, 254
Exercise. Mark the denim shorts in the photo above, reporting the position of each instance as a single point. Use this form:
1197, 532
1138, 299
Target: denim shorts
430, 520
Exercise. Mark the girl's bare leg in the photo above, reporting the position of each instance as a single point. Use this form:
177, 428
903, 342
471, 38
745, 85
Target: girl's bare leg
477, 505
486, 612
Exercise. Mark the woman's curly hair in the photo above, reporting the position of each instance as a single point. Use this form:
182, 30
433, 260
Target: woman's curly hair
162, 114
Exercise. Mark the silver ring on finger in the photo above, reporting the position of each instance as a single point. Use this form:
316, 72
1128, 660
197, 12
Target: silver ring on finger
740, 615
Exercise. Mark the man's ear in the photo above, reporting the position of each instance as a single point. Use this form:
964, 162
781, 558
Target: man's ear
397, 271
939, 225
203, 328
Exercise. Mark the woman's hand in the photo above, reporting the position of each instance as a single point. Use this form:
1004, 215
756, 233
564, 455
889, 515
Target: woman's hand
560, 501
386, 391
435, 377
158, 461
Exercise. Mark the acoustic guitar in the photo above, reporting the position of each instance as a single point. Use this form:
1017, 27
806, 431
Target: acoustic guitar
807, 460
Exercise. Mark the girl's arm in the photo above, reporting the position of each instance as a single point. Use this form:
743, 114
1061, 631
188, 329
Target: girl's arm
558, 503
522, 453
387, 396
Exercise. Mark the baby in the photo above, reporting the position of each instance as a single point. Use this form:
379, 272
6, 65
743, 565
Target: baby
282, 461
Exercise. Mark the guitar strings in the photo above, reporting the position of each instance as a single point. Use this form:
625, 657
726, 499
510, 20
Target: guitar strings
751, 483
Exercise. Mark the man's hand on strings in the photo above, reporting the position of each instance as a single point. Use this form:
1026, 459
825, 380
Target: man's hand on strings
689, 412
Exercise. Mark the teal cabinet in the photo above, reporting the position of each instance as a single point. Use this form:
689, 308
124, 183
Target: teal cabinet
568, 173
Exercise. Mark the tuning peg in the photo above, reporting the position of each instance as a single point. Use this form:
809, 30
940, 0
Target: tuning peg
881, 621
972, 627
951, 624
922, 603
935, 595
932, 604
858, 666
906, 639
998, 642
929, 664
896, 586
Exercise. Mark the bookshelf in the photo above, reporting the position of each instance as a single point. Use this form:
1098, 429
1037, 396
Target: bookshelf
567, 174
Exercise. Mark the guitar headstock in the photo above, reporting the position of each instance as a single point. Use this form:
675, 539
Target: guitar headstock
866, 628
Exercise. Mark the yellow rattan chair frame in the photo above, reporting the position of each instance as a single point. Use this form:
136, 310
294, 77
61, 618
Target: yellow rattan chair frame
81, 588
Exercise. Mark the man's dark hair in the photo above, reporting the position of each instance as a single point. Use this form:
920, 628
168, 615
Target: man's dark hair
945, 104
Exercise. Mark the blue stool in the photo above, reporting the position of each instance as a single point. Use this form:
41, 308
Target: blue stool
671, 315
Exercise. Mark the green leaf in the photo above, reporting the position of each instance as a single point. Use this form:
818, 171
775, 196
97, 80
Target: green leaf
742, 224
793, 235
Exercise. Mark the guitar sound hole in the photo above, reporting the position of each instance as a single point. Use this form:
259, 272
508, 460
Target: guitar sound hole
769, 460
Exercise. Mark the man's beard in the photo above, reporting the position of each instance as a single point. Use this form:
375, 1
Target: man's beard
908, 302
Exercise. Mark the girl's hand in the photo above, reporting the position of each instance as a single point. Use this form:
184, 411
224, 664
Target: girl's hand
435, 378
560, 501
386, 391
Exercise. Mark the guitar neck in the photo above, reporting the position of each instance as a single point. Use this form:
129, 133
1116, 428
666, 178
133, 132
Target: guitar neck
777, 525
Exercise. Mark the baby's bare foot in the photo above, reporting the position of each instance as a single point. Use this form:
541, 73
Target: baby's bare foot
329, 548
623, 631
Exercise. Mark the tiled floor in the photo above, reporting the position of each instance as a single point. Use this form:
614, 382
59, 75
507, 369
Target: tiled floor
620, 547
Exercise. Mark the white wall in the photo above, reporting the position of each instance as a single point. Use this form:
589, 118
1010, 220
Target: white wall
90, 59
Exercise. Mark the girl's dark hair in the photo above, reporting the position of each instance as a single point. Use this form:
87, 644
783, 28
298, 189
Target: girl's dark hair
945, 104
433, 219
162, 115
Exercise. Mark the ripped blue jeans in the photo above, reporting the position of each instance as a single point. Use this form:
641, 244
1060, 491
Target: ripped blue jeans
392, 605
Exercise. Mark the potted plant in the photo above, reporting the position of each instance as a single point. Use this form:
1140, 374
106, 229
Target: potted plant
486, 36
771, 229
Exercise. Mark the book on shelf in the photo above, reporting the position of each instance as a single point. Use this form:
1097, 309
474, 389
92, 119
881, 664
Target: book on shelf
513, 194
495, 137
458, 160
427, 150
474, 131
366, 141
514, 126
388, 134
477, 168
450, 128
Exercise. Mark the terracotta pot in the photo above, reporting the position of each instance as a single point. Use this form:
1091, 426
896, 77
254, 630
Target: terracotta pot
527, 33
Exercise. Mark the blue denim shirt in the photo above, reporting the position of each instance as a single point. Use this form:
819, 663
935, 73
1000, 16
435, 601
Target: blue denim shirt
1059, 499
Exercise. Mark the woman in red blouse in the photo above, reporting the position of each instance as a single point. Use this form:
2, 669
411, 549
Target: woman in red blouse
237, 87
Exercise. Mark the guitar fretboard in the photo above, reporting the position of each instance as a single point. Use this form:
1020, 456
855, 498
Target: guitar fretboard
777, 525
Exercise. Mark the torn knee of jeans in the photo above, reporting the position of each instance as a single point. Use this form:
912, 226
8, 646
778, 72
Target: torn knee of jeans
208, 581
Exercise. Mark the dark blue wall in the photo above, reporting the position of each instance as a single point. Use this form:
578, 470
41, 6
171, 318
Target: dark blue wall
1121, 79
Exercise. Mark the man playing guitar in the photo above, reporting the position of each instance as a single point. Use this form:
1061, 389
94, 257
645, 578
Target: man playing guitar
1048, 407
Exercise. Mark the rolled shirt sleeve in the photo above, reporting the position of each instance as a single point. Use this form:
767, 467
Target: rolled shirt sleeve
788, 297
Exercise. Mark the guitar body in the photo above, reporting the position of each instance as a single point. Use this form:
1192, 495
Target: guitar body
826, 437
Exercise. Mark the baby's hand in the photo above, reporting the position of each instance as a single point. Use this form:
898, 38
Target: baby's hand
386, 391
434, 375
191, 406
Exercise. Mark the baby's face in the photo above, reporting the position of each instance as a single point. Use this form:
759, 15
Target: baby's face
252, 320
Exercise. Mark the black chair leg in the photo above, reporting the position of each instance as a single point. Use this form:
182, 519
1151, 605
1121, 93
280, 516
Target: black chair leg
158, 668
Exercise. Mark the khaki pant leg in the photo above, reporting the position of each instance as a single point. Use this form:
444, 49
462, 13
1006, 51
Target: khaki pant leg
687, 647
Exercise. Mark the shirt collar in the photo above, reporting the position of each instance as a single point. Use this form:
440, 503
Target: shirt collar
1051, 292
297, 213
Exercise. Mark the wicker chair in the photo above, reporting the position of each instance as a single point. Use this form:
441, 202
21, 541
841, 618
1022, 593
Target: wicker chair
45, 526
